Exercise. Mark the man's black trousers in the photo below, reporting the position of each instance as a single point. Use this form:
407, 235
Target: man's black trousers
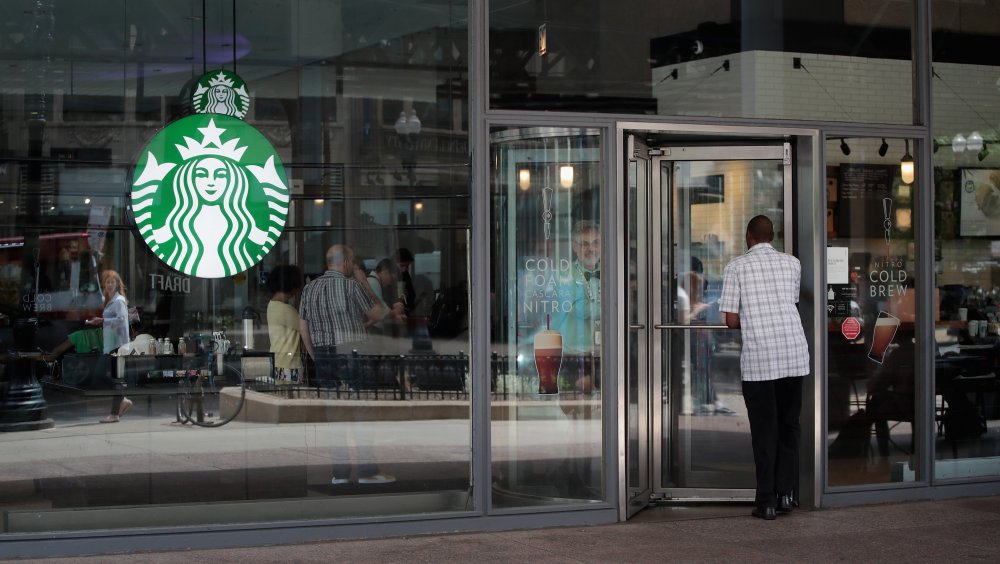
773, 407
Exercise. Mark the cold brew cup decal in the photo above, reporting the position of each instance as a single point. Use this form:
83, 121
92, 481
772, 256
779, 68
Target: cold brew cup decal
548, 358
885, 331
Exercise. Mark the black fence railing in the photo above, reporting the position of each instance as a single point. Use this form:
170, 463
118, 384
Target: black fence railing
439, 376
352, 375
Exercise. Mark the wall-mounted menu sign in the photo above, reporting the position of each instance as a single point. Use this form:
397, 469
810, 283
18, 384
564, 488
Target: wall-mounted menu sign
860, 190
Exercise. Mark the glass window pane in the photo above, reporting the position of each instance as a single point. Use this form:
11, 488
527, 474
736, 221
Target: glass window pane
751, 58
966, 111
363, 105
545, 322
871, 314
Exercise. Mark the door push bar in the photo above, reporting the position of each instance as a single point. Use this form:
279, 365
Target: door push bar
689, 327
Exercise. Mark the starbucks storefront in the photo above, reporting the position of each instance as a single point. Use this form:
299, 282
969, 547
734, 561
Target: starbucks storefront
535, 206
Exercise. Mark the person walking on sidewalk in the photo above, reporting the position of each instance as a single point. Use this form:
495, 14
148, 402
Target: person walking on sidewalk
760, 291
114, 320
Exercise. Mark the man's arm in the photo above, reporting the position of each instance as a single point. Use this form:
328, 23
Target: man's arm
306, 339
732, 320
377, 312
729, 300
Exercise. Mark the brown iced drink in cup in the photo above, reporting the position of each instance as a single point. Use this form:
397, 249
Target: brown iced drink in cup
548, 357
885, 331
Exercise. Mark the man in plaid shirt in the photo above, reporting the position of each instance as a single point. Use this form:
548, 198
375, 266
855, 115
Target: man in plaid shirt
760, 291
334, 308
333, 311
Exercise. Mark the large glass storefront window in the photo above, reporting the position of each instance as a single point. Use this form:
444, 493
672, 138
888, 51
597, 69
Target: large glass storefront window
750, 58
870, 289
546, 317
213, 399
966, 111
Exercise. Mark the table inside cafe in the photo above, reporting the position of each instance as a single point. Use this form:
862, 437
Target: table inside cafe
966, 364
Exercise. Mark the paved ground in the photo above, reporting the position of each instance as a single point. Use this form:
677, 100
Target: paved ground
962, 530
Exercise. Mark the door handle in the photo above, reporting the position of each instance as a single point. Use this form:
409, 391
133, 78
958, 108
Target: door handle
636, 327
689, 327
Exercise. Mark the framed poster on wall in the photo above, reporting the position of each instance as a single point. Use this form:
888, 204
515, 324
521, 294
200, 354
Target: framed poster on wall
980, 202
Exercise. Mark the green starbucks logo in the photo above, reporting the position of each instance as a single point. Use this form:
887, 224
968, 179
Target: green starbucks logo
210, 196
221, 92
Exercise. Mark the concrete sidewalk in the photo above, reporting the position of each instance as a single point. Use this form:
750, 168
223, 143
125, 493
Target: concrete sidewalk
959, 530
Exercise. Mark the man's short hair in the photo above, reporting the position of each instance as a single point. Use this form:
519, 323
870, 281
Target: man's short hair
584, 226
761, 228
336, 255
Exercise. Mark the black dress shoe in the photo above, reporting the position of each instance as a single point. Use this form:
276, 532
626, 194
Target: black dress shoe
766, 513
785, 503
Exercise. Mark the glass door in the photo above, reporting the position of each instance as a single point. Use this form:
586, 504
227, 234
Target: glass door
700, 200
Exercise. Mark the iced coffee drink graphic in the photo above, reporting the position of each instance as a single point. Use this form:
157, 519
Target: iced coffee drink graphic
548, 357
885, 330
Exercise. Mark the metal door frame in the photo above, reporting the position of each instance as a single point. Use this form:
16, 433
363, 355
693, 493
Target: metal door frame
658, 327
636, 498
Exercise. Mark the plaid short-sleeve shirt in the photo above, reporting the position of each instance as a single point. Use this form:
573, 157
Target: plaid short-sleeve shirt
334, 307
762, 286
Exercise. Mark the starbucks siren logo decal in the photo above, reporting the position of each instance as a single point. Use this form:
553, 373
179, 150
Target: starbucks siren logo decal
221, 92
210, 196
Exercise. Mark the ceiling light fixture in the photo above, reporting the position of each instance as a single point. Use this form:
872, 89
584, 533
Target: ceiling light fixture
958, 143
974, 142
524, 179
906, 170
844, 148
883, 148
566, 174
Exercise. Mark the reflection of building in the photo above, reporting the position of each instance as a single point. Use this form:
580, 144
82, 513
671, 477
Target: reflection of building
489, 124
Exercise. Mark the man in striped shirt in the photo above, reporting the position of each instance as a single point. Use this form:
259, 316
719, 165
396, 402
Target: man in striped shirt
760, 291
334, 308
333, 311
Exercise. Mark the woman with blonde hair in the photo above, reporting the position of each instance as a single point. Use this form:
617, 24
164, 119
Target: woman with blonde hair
114, 319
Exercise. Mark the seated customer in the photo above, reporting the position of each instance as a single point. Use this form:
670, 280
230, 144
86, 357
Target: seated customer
82, 341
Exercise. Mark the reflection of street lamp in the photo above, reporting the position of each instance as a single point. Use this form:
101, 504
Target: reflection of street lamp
566, 176
418, 207
524, 179
408, 127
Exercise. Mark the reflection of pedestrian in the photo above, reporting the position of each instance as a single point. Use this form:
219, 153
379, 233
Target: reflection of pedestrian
64, 269
82, 269
580, 323
704, 397
381, 281
760, 291
332, 315
284, 281
335, 307
114, 320
405, 293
